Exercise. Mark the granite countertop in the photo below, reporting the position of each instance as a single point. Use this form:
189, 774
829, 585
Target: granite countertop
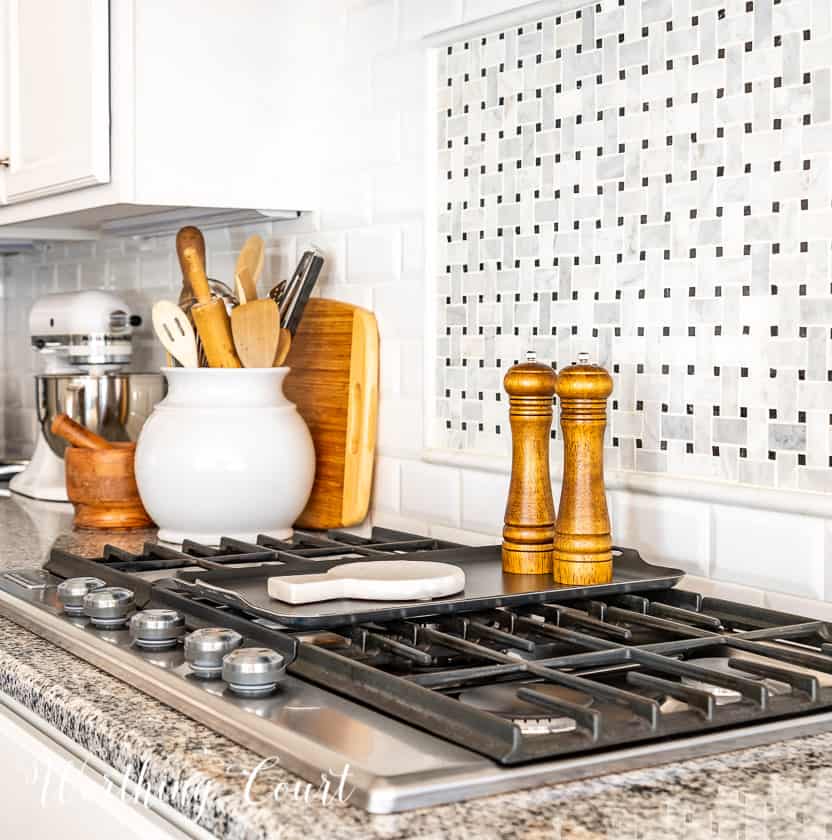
779, 791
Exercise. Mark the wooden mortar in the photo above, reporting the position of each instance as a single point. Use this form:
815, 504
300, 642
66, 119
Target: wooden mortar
100, 480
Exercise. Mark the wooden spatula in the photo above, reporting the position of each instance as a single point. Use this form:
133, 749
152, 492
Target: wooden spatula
175, 332
250, 264
256, 330
284, 345
374, 580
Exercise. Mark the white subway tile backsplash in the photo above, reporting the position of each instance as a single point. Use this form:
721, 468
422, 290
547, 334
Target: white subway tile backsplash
400, 308
374, 255
665, 531
778, 551
387, 485
807, 607
458, 535
398, 192
419, 17
371, 26
123, 273
431, 492
398, 522
67, 277
724, 590
390, 368
400, 427
476, 9
411, 369
155, 272
484, 501
345, 199
399, 79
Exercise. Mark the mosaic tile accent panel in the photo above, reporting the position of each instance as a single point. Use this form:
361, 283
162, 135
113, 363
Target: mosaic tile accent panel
649, 181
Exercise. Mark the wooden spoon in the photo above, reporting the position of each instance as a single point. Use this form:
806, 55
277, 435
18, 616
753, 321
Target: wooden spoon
175, 332
250, 264
77, 435
256, 330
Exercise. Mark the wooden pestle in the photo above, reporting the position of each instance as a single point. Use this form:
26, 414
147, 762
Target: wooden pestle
530, 509
77, 435
582, 545
210, 315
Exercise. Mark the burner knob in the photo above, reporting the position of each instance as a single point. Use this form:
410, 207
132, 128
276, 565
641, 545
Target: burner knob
206, 647
253, 672
108, 607
71, 592
156, 628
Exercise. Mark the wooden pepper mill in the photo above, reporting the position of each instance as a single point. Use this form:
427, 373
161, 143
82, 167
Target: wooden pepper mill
583, 547
530, 509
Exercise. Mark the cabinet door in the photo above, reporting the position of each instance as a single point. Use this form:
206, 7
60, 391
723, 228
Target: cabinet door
49, 792
56, 101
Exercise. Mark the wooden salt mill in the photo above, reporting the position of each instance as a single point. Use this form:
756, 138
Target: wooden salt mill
583, 547
530, 509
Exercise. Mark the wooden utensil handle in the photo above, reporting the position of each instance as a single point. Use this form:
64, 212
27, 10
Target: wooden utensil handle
194, 272
214, 328
192, 237
74, 433
284, 345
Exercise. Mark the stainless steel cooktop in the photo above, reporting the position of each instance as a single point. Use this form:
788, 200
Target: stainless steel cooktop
432, 709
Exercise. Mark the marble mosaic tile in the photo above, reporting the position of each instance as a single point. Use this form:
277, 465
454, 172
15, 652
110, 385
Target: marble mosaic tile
649, 181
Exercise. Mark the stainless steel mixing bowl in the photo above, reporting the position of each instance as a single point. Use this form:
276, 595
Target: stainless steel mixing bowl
115, 405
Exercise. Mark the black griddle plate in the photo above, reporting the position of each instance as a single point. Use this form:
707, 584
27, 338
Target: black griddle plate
486, 586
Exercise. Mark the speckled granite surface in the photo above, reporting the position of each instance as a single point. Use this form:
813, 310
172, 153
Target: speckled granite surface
779, 792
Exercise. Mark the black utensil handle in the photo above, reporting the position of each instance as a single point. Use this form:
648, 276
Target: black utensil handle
296, 312
293, 286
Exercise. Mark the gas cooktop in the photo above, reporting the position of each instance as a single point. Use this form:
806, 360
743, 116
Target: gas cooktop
437, 708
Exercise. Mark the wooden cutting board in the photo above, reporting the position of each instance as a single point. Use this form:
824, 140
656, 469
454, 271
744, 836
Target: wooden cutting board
334, 383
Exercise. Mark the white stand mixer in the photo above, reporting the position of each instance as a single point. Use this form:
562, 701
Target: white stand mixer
85, 339
44, 477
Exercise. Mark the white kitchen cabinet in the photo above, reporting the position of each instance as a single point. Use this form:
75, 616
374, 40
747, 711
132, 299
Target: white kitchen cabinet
48, 790
198, 104
56, 97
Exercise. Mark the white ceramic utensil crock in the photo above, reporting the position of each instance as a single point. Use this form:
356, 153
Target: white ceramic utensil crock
225, 454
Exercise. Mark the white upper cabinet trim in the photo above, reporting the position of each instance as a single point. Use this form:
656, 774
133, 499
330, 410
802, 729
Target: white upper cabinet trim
58, 97
173, 106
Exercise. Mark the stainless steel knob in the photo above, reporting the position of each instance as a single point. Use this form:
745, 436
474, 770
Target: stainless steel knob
253, 672
108, 607
156, 628
71, 592
206, 647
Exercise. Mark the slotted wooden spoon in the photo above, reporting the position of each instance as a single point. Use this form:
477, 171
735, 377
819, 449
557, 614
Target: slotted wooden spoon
175, 332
